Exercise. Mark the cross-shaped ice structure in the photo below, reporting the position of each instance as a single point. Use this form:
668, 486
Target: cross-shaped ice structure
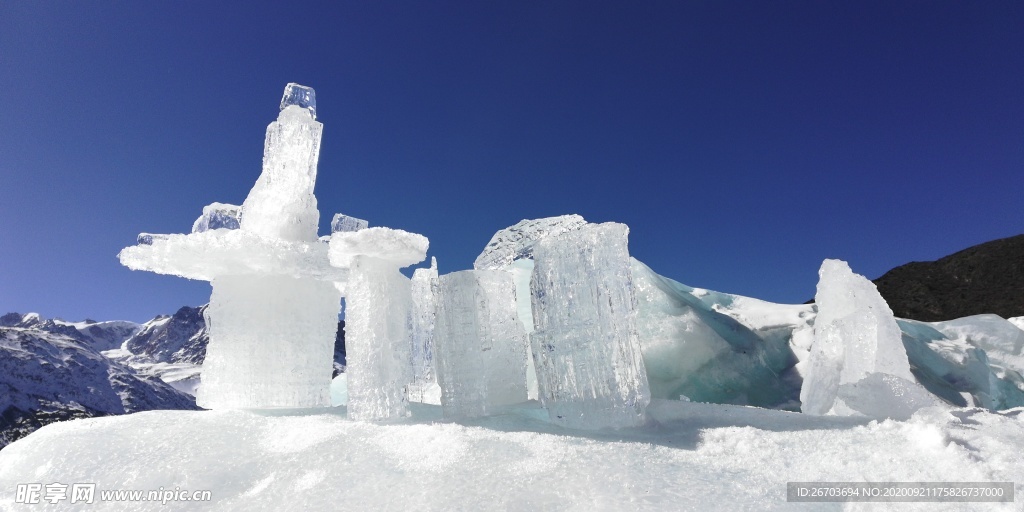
274, 309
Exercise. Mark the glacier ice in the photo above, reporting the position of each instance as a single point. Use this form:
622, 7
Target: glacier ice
342, 222
716, 347
480, 352
424, 300
378, 338
855, 335
590, 372
274, 308
217, 216
517, 241
949, 362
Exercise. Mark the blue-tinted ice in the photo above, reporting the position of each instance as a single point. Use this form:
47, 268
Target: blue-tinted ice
305, 97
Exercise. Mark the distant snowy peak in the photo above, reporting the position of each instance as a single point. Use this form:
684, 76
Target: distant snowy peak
180, 338
98, 335
19, 320
104, 335
517, 241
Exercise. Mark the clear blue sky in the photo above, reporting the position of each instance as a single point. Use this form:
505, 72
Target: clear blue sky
742, 142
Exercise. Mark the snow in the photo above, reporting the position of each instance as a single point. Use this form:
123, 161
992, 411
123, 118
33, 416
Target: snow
1018, 321
104, 335
690, 456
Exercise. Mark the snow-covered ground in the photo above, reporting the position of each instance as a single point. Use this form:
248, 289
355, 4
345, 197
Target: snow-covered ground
690, 456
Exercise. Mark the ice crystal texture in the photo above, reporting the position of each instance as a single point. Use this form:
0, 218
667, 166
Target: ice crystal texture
342, 222
424, 300
481, 346
378, 338
590, 371
217, 216
517, 241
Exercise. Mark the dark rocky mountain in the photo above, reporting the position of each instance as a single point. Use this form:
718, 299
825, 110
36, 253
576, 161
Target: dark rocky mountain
986, 278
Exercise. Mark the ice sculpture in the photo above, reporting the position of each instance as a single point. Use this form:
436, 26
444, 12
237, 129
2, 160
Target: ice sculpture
855, 336
424, 300
481, 346
517, 241
378, 340
511, 249
274, 308
217, 216
589, 367
343, 223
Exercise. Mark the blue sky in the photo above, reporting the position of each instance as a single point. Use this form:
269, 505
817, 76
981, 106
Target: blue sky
742, 142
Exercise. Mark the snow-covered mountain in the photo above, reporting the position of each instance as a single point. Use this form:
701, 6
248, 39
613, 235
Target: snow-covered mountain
178, 338
51, 371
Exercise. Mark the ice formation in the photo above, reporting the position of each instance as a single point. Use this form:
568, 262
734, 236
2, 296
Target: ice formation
424, 300
342, 223
481, 346
715, 347
273, 312
589, 367
377, 319
517, 241
855, 337
967, 362
217, 216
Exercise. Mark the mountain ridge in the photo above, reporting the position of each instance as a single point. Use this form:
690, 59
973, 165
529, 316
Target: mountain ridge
984, 278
